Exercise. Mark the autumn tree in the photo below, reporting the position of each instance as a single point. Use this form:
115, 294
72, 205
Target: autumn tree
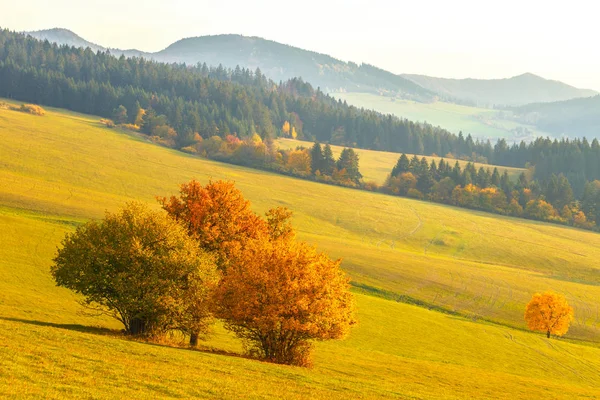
279, 295
217, 216
550, 313
140, 267
299, 161
286, 128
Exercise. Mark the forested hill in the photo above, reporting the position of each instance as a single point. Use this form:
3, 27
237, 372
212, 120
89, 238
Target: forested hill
576, 116
518, 90
277, 61
202, 100
66, 37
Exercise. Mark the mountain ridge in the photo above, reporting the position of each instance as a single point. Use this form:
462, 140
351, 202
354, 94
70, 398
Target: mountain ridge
281, 62
503, 91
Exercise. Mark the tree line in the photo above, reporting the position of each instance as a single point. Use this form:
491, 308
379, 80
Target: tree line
207, 255
485, 189
318, 163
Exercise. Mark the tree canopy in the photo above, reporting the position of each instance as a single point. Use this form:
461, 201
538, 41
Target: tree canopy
140, 267
549, 313
279, 295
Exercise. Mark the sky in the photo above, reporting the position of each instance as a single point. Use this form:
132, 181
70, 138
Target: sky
453, 39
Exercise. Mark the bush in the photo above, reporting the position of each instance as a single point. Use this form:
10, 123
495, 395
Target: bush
32, 109
415, 194
131, 127
108, 123
279, 295
140, 267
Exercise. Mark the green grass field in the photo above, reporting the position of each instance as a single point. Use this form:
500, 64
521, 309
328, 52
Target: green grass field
479, 122
377, 165
61, 169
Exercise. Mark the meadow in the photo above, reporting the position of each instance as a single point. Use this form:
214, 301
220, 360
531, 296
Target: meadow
481, 123
478, 269
375, 166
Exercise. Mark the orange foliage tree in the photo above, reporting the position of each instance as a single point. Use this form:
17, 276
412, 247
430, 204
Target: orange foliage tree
217, 215
278, 295
549, 312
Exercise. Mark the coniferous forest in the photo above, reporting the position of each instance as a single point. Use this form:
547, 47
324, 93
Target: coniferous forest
234, 115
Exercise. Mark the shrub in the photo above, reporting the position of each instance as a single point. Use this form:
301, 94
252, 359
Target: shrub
279, 295
415, 194
32, 109
140, 267
131, 127
107, 122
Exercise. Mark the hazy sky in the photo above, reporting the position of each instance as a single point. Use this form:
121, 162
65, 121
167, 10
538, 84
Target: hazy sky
455, 39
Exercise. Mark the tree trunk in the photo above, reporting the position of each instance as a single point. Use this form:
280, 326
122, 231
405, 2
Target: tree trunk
194, 339
548, 334
137, 326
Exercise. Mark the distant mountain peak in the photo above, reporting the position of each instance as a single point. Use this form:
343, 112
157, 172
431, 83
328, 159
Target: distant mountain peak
64, 36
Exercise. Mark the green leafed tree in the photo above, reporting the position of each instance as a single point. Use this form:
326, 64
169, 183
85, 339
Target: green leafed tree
317, 160
328, 160
140, 267
349, 161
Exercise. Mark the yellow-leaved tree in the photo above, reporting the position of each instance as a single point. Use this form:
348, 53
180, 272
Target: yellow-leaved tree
278, 295
286, 128
550, 313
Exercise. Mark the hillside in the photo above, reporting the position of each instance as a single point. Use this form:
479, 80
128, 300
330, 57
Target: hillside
579, 117
518, 90
282, 62
481, 123
471, 263
375, 166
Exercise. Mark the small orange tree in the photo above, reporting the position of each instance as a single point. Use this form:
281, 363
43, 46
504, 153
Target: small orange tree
217, 215
278, 295
549, 312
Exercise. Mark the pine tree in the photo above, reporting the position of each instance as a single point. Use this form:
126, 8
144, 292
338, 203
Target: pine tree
402, 165
317, 160
328, 160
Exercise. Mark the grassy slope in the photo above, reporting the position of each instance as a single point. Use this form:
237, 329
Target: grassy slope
479, 122
61, 169
377, 165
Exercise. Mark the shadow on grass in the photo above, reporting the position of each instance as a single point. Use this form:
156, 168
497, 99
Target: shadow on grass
96, 330
119, 334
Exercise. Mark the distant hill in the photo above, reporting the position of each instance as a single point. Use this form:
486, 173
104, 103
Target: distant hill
575, 117
277, 61
281, 62
518, 90
64, 36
